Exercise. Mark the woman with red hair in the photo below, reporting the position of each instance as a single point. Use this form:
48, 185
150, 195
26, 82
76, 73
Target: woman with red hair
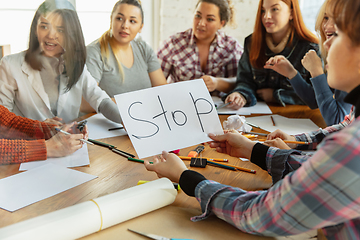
279, 30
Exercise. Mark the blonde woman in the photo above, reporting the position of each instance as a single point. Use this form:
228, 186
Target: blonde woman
119, 62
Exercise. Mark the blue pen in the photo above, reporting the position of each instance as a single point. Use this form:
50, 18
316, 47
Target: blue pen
83, 140
156, 237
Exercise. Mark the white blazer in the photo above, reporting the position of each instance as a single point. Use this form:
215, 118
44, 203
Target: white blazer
22, 91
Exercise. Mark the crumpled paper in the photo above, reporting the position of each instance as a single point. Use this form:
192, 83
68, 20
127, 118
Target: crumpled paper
236, 122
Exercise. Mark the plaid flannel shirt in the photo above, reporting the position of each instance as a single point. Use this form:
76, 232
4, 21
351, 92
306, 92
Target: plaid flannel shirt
179, 57
323, 192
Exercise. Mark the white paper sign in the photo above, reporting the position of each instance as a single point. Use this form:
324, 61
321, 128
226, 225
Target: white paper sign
168, 117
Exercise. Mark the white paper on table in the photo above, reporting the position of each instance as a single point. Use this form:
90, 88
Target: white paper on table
77, 159
259, 108
290, 126
168, 117
99, 126
84, 218
23, 189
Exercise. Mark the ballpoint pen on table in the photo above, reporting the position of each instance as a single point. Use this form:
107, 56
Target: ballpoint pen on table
156, 237
66, 133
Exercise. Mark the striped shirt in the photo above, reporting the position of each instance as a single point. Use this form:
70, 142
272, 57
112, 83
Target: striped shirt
179, 57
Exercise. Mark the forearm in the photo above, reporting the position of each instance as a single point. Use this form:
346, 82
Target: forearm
331, 104
226, 84
304, 90
110, 110
19, 151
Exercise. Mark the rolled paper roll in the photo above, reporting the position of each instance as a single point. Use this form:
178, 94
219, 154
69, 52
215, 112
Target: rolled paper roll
94, 215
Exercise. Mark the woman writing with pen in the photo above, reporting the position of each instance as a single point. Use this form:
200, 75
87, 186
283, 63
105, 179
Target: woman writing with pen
25, 140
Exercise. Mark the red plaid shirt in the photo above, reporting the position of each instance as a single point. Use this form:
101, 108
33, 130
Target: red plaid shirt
179, 57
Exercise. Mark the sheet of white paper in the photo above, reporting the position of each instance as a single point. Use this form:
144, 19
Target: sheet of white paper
99, 126
168, 117
290, 126
28, 187
77, 159
259, 108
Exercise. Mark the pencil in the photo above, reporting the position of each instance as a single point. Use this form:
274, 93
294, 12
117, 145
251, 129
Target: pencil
296, 142
288, 141
221, 165
213, 159
236, 167
257, 133
272, 119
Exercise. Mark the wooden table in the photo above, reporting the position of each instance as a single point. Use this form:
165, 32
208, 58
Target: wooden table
116, 173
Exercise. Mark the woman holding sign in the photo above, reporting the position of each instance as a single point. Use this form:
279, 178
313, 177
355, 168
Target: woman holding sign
120, 62
308, 193
204, 51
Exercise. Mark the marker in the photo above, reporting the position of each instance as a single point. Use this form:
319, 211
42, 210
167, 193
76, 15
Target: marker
176, 185
137, 160
66, 133
124, 154
101, 143
117, 128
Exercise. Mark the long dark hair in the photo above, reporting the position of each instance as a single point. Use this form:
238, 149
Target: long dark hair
74, 44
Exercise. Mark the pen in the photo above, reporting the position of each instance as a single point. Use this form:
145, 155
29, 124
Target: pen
117, 128
272, 119
66, 133
253, 125
213, 159
256, 133
137, 160
223, 105
236, 167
